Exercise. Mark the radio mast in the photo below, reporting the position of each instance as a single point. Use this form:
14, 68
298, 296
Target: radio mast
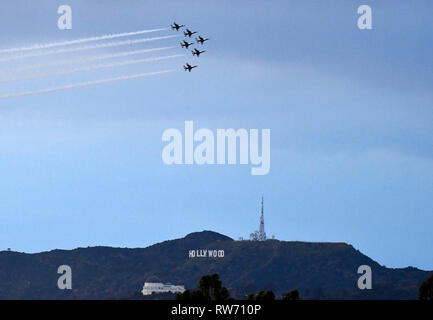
262, 233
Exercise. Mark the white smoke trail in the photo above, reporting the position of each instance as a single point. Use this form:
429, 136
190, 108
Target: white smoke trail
91, 68
84, 60
96, 46
77, 41
83, 84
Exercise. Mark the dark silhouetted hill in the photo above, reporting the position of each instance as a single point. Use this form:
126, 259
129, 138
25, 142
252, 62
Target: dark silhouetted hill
317, 270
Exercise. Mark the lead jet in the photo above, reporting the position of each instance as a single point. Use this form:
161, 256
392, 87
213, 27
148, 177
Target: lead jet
196, 52
188, 67
189, 33
185, 44
176, 26
201, 40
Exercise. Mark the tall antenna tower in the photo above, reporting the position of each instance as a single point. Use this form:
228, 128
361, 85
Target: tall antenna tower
262, 233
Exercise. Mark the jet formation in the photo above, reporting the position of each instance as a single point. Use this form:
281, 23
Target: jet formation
185, 44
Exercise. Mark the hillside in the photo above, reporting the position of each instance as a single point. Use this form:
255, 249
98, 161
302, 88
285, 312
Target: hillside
318, 270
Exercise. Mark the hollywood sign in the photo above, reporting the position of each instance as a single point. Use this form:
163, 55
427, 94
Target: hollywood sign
204, 253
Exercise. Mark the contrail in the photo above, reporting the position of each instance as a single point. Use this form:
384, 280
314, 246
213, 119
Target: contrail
83, 84
84, 60
91, 68
96, 46
83, 40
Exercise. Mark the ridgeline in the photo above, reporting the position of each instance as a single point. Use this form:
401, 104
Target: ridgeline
317, 270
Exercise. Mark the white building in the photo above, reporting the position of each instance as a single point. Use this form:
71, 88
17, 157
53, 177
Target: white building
154, 285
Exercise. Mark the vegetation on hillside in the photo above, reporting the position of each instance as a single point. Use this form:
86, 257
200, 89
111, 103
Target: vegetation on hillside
426, 289
210, 288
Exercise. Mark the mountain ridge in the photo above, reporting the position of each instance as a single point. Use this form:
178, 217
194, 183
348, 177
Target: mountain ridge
319, 270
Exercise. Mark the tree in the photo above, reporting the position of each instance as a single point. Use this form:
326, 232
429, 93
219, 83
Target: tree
205, 284
262, 296
426, 289
186, 295
209, 288
291, 295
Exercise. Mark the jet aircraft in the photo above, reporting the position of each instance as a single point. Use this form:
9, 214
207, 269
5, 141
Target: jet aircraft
197, 52
188, 67
185, 44
176, 26
201, 40
189, 33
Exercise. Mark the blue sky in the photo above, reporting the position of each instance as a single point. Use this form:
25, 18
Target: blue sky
350, 114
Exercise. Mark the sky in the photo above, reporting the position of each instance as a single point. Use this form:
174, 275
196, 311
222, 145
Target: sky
350, 113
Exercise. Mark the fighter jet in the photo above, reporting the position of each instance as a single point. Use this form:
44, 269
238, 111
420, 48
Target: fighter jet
188, 67
185, 44
176, 26
189, 33
201, 40
196, 52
